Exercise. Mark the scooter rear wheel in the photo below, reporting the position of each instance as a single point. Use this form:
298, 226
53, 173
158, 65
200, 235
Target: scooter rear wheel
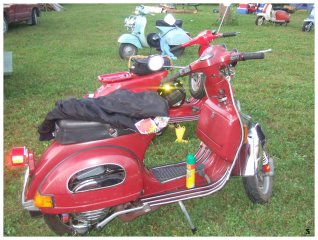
55, 223
126, 50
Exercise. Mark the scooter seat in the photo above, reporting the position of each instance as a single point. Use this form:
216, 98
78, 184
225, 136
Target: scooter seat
74, 131
162, 23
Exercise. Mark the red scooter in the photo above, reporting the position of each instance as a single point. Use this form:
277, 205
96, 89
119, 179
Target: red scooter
204, 38
82, 186
141, 78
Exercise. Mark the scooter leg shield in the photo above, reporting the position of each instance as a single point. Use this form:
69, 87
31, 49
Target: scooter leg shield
95, 178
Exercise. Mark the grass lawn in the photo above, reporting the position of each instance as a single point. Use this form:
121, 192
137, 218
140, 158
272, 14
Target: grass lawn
62, 57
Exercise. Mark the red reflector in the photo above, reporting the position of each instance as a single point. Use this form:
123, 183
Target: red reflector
266, 168
19, 156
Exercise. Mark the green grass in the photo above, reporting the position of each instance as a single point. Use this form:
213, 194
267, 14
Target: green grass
64, 54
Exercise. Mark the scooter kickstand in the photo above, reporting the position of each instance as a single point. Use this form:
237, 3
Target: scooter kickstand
186, 214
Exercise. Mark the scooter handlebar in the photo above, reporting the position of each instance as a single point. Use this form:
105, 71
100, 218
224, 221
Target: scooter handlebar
252, 55
229, 34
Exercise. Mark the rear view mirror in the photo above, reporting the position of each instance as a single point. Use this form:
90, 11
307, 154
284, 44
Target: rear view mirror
169, 19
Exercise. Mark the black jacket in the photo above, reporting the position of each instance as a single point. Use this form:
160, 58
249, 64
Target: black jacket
121, 109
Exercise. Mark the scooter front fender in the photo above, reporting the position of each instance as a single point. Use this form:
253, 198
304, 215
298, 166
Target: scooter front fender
263, 15
67, 200
131, 39
247, 162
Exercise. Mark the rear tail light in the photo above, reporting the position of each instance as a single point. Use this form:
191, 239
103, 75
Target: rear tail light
19, 156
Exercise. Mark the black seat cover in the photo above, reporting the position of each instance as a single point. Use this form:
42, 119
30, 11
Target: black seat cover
74, 131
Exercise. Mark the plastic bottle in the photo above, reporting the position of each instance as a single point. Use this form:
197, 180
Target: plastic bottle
190, 178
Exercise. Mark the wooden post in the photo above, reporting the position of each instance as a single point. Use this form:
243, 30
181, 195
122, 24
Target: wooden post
222, 10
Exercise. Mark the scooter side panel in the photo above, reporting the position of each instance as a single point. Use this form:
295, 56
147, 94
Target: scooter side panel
57, 153
219, 129
56, 182
130, 38
281, 15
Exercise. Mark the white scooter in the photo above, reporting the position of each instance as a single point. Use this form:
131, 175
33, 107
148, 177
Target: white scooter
275, 16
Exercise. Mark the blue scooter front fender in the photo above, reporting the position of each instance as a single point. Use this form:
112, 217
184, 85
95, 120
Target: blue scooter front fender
130, 38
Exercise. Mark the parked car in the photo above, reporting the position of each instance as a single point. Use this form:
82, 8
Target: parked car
13, 13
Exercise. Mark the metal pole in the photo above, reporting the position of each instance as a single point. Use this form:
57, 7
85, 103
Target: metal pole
223, 18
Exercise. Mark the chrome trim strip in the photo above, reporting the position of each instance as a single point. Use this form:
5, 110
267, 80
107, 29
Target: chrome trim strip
241, 124
185, 192
214, 188
184, 119
28, 205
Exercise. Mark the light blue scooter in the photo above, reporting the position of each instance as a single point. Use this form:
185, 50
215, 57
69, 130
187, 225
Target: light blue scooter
169, 35
309, 23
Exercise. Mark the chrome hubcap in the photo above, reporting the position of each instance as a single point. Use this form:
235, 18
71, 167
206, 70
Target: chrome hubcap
129, 51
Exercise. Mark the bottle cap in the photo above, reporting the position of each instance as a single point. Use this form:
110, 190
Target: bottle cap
190, 159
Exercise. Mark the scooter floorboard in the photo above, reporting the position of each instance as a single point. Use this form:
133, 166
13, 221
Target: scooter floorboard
170, 172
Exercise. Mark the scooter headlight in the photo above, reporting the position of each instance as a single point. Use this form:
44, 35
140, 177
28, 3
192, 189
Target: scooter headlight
155, 63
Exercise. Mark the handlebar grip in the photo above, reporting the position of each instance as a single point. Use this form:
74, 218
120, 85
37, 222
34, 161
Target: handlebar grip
252, 55
229, 34
176, 48
171, 78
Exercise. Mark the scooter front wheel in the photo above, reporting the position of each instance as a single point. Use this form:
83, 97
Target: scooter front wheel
260, 21
126, 50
